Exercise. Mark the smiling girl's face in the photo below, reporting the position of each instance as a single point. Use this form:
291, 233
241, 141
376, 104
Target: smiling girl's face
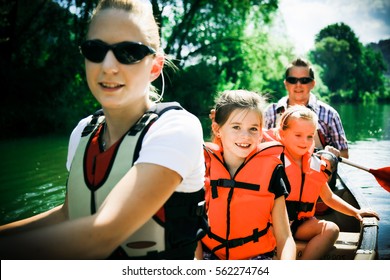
298, 138
240, 134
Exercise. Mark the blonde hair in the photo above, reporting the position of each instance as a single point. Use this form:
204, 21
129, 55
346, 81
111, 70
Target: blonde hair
297, 112
141, 11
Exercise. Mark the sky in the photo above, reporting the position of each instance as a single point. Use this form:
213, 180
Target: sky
303, 19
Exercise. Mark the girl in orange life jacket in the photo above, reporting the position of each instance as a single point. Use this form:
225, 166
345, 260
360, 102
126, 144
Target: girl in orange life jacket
308, 181
244, 185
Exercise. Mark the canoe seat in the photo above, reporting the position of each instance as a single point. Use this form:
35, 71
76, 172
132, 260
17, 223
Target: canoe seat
344, 248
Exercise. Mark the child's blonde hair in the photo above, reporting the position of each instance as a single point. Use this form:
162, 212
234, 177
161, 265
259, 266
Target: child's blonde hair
297, 112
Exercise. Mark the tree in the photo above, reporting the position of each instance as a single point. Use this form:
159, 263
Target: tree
216, 40
372, 79
40, 68
347, 64
338, 63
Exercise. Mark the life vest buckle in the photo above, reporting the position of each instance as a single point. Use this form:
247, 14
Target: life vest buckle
235, 242
200, 209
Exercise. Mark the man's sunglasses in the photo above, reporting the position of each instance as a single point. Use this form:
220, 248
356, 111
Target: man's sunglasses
303, 81
125, 52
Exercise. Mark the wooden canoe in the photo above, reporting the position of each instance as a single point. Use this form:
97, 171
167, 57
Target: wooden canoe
357, 240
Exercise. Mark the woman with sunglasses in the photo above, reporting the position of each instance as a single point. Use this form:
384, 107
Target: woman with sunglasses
134, 184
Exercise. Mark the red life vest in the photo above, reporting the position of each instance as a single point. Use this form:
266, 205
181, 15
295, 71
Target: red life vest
239, 208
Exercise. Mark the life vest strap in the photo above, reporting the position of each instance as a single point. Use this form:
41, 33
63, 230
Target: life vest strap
295, 207
140, 124
93, 123
232, 243
229, 183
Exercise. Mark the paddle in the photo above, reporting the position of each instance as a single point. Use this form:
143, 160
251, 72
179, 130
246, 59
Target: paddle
382, 175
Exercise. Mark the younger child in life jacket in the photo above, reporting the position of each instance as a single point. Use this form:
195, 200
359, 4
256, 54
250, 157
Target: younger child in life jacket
308, 178
245, 185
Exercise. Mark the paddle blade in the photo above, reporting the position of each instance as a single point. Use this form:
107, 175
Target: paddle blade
382, 175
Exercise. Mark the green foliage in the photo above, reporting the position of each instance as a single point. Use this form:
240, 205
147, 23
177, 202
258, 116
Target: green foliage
42, 67
195, 87
351, 71
341, 32
372, 79
236, 50
334, 57
386, 94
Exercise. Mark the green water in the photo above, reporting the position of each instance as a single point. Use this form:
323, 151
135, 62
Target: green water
365, 122
33, 176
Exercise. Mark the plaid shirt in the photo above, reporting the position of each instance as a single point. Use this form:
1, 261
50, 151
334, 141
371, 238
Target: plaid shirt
329, 122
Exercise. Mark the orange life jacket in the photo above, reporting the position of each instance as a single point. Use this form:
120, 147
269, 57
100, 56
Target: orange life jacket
306, 183
239, 208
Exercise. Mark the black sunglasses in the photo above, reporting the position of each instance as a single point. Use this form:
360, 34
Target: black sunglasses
125, 52
303, 81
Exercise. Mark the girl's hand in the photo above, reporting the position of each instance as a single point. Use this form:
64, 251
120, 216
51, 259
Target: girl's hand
333, 150
366, 212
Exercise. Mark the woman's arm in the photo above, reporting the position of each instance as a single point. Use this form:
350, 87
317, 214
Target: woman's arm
133, 201
55, 215
285, 244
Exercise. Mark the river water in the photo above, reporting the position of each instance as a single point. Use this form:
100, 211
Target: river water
33, 173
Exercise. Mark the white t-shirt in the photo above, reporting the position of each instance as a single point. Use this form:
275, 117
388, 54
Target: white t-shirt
174, 141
